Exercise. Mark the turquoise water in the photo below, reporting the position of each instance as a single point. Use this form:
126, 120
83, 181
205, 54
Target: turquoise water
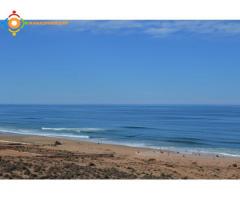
188, 128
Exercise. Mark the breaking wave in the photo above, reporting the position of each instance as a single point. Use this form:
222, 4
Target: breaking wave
78, 130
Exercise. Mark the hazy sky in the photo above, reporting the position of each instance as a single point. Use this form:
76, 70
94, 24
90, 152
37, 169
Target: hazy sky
143, 62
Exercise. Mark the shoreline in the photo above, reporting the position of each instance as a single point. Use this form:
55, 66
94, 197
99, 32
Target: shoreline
52, 157
173, 150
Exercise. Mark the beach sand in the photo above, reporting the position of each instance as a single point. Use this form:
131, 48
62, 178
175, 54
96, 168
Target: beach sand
37, 157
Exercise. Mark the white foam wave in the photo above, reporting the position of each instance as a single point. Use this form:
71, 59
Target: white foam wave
69, 136
35, 132
78, 130
15, 131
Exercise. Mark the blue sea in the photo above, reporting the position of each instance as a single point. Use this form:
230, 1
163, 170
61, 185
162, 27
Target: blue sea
184, 128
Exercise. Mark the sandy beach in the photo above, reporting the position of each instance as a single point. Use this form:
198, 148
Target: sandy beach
37, 157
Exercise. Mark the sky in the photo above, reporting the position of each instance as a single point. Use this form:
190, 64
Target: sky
122, 62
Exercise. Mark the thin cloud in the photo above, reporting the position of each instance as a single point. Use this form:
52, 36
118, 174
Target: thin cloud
159, 28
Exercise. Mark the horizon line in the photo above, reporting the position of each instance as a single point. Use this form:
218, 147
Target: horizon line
119, 104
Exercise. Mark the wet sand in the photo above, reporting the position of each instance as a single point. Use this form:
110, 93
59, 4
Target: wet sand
36, 157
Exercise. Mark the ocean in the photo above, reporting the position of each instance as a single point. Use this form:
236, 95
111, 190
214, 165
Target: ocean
183, 128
